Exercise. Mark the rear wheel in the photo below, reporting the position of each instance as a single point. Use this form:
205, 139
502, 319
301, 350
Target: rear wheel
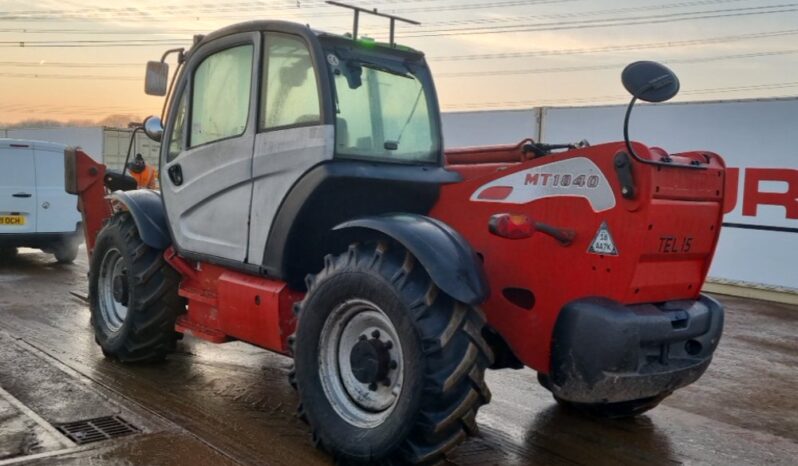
388, 368
132, 295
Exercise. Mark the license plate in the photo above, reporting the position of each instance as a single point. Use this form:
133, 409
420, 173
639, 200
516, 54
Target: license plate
13, 220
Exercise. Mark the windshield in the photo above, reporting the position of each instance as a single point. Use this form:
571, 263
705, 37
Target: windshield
382, 110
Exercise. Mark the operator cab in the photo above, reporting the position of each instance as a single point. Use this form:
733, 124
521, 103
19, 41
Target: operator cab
273, 129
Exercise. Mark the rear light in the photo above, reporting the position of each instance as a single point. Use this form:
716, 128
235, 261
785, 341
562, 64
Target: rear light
511, 226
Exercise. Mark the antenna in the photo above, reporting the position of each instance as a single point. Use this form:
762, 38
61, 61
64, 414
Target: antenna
374, 12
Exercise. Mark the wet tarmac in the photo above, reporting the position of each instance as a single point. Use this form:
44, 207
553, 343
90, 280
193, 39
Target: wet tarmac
231, 404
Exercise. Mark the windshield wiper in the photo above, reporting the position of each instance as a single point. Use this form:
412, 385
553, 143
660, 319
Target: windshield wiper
393, 145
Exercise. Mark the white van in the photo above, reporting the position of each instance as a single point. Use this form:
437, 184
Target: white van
35, 211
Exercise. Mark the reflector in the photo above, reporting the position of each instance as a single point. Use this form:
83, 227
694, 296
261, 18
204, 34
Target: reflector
511, 226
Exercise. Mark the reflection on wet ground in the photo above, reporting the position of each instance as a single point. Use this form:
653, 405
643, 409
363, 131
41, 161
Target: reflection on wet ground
232, 404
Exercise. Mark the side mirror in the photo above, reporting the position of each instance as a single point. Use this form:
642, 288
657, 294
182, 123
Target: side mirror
153, 128
156, 80
650, 81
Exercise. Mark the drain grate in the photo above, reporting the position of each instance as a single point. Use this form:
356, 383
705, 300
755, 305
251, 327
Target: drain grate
94, 430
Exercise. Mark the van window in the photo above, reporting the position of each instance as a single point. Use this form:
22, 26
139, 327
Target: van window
221, 95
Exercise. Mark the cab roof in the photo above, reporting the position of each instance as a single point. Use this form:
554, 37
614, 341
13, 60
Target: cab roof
289, 28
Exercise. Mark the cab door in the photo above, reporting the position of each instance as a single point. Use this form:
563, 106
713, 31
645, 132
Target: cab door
293, 135
206, 155
17, 188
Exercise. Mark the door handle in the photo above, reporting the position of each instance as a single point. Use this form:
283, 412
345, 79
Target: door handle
22, 195
176, 174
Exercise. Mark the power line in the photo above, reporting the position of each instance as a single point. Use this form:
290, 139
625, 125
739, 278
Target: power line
621, 97
70, 76
61, 64
209, 11
616, 48
580, 14
572, 69
613, 22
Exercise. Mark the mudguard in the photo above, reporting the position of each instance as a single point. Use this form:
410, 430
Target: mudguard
448, 258
146, 207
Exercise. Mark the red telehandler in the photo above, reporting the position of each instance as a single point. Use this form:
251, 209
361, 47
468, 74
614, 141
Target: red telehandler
307, 207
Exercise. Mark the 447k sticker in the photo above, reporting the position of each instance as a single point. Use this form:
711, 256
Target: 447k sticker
603, 243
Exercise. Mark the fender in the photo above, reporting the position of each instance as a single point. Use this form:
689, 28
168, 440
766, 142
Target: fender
448, 258
146, 207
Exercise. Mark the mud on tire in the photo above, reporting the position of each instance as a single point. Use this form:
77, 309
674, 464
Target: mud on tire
134, 315
443, 359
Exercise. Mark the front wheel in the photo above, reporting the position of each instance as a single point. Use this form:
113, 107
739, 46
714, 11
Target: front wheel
132, 295
388, 368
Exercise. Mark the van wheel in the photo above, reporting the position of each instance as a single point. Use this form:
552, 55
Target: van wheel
132, 295
389, 369
66, 251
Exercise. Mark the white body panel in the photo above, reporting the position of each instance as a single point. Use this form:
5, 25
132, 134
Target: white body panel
36, 169
281, 158
17, 178
209, 211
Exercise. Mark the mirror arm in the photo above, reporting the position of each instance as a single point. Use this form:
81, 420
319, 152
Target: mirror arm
129, 147
180, 54
631, 150
170, 89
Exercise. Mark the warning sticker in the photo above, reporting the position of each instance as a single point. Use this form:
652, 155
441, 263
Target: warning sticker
603, 243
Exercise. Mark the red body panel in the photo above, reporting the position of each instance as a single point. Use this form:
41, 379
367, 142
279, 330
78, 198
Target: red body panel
92, 203
665, 239
224, 304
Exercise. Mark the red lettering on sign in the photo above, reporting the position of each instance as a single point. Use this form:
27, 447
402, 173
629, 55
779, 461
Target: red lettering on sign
754, 197
531, 178
731, 187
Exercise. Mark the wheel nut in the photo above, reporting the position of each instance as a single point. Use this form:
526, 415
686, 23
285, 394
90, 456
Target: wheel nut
373, 387
388, 344
393, 365
363, 338
375, 334
386, 381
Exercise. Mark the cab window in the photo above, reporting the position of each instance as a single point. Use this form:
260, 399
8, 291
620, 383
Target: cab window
176, 138
291, 94
221, 95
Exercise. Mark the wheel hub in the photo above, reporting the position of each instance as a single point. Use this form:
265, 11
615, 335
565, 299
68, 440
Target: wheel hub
120, 289
361, 363
113, 290
370, 360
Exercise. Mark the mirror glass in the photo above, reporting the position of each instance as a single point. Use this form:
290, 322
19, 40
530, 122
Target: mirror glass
650, 81
153, 128
156, 80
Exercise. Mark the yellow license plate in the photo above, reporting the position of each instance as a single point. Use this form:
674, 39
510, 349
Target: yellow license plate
12, 220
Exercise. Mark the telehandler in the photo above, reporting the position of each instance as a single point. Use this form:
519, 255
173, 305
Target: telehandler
307, 207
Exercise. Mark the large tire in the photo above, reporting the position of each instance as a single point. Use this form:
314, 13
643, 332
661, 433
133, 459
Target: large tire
615, 410
132, 295
437, 360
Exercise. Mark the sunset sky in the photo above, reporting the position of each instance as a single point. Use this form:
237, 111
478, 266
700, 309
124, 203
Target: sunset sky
75, 60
